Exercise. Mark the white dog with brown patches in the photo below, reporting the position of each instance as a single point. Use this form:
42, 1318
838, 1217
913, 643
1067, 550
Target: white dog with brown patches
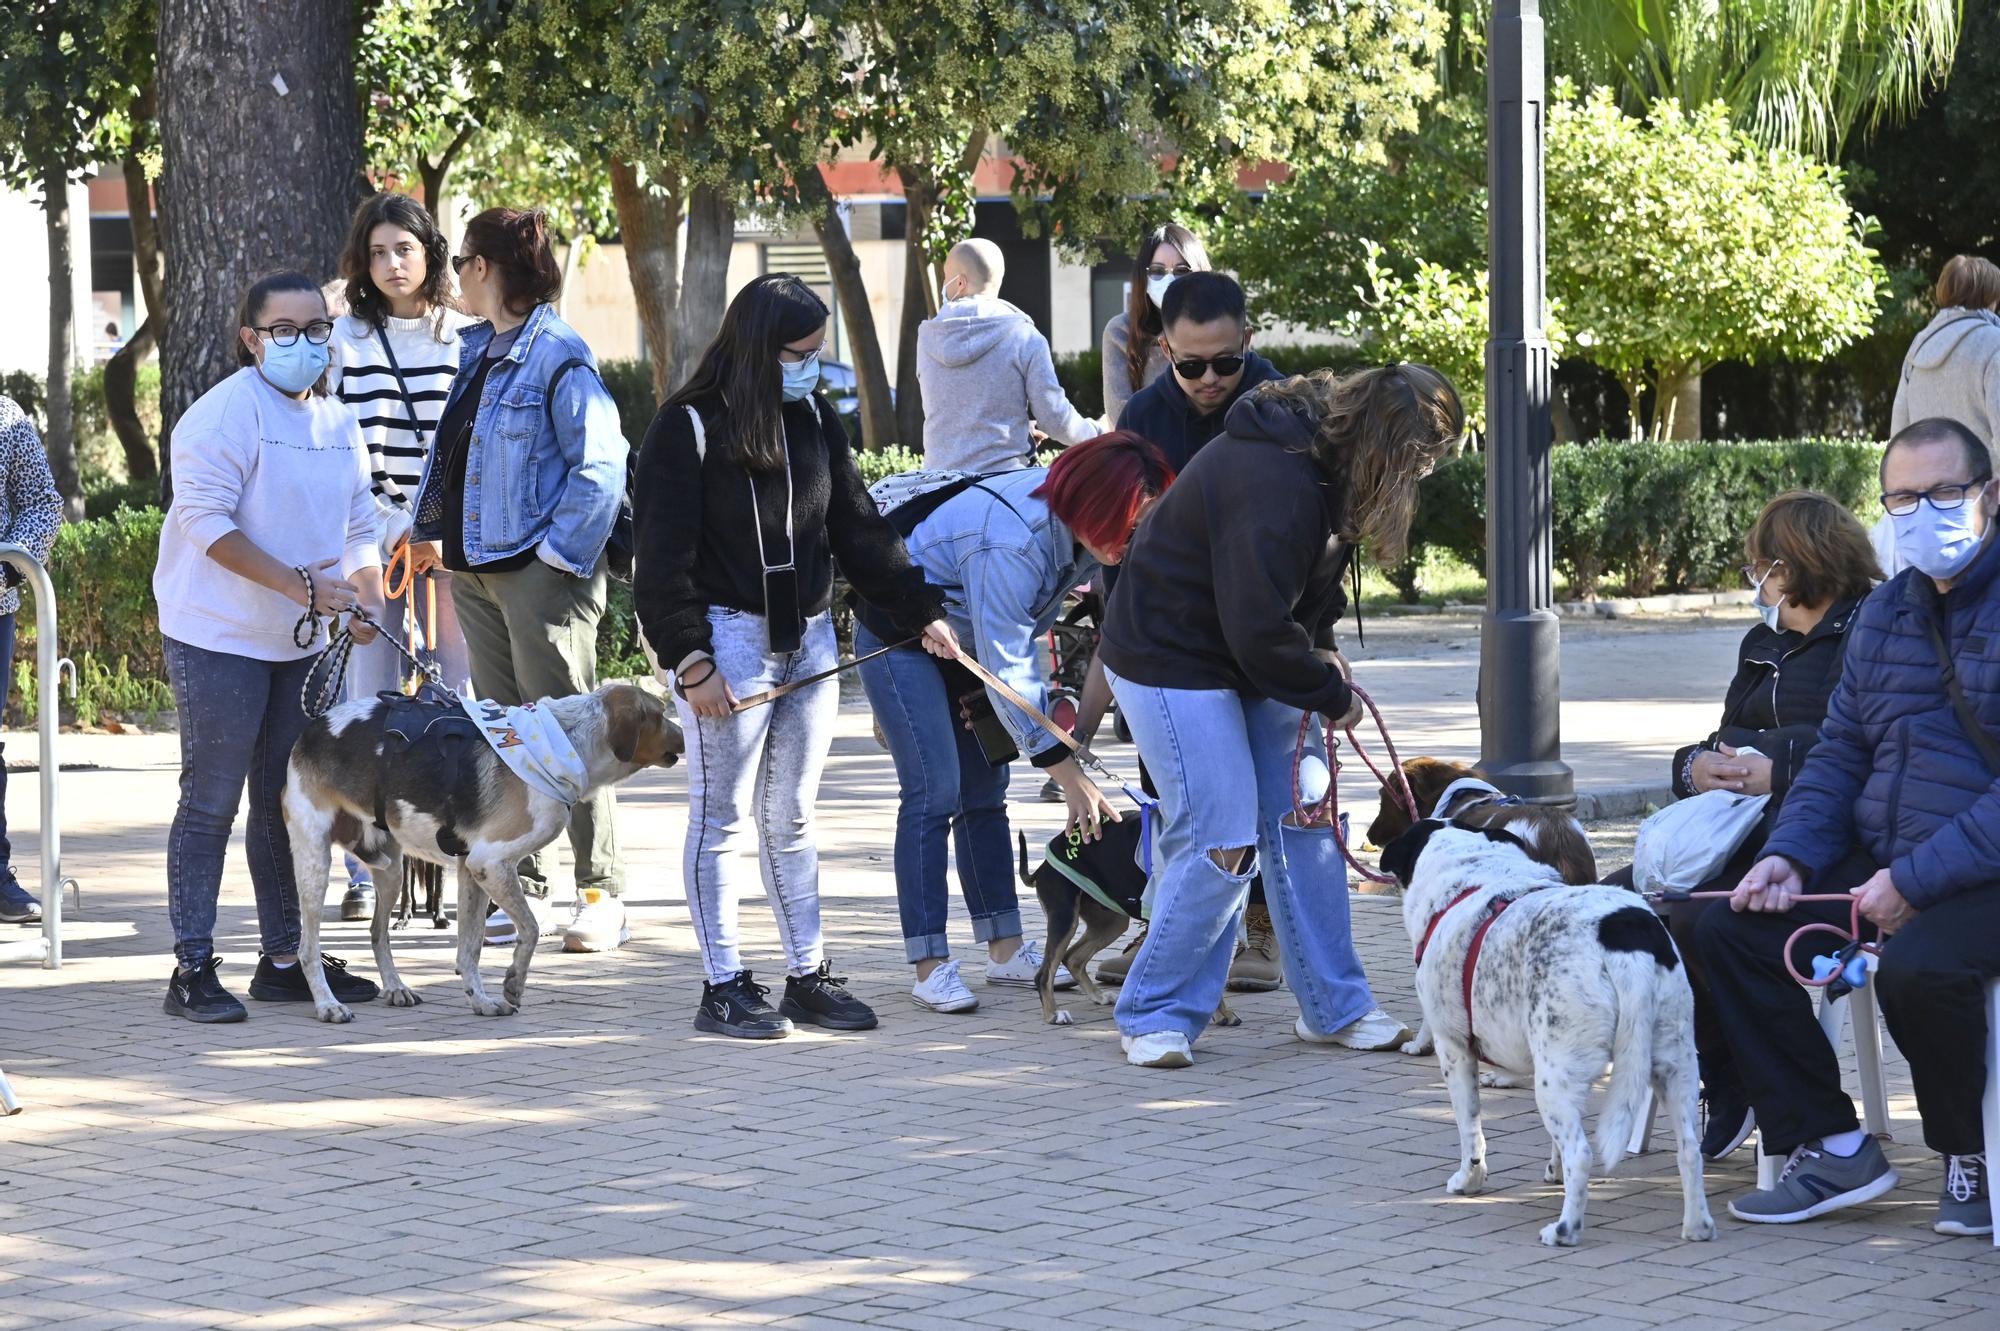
1552, 982
388, 778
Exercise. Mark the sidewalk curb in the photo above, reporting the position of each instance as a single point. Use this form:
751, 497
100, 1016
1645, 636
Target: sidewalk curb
1607, 802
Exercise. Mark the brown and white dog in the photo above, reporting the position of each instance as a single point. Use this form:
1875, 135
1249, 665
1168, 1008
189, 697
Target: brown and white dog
1462, 795
447, 798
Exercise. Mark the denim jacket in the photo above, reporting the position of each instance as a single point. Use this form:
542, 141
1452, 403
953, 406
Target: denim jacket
1004, 564
536, 475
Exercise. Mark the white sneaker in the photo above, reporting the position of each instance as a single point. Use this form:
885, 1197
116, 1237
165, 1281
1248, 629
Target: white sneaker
1020, 968
500, 930
1376, 1030
944, 991
1161, 1049
599, 924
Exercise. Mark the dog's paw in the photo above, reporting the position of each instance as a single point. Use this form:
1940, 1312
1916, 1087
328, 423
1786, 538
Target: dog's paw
1419, 1046
1225, 1017
1562, 1234
1101, 998
1700, 1230
335, 1013
1062, 1018
1552, 1172
513, 992
1468, 1181
402, 997
1501, 1081
493, 1007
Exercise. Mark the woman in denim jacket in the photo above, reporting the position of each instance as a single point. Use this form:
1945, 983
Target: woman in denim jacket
1005, 551
518, 500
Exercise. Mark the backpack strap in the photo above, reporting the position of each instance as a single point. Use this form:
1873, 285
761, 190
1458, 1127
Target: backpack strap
549, 393
1968, 719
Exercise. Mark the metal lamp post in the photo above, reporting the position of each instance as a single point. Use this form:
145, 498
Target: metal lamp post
1520, 639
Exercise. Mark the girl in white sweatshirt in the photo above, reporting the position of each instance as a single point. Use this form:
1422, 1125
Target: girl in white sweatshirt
272, 515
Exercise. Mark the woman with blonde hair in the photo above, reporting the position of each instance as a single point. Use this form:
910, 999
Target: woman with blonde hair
1218, 643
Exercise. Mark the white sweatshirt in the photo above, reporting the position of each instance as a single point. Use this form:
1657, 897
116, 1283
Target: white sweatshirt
290, 475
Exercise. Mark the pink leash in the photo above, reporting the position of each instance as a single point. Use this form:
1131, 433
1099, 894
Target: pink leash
1850, 936
1326, 811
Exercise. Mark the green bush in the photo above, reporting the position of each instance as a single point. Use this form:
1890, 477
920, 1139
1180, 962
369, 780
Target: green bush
107, 622
630, 383
100, 456
1649, 517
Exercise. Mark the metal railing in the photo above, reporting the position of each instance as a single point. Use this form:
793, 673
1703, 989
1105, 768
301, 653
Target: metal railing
46, 949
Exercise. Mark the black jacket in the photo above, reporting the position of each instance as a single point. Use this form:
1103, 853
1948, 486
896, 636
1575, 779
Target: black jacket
1778, 699
695, 539
1162, 412
1236, 572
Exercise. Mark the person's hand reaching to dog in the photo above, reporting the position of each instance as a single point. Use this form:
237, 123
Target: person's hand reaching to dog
1088, 809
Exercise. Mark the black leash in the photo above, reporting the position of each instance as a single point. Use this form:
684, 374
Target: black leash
323, 684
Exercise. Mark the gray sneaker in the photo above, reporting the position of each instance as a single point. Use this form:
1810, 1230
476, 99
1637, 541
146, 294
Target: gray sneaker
1816, 1181
1964, 1208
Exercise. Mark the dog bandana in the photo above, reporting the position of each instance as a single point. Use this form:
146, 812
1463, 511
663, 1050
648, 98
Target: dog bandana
533, 746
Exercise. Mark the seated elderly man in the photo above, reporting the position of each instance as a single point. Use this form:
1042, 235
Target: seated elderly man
1899, 803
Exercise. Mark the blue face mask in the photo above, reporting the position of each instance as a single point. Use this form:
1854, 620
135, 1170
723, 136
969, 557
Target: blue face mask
801, 379
1939, 542
295, 368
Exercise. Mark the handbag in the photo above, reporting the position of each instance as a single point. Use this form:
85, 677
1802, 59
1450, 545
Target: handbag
1687, 843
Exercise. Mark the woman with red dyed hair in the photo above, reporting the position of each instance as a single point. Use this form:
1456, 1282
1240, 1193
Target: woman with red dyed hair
1005, 550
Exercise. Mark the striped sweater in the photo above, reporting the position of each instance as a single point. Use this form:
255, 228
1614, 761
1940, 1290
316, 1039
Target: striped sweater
363, 378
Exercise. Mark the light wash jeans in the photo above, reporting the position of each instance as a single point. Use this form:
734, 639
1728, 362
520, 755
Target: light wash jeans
950, 798
760, 766
1223, 765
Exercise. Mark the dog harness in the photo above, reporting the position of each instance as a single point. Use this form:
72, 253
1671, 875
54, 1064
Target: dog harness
1484, 791
533, 746
1493, 908
434, 721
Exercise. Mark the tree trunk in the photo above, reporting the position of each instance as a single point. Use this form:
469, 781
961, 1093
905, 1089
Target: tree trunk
649, 226
145, 242
871, 372
919, 304
434, 175
1685, 424
121, 402
711, 216
261, 133
60, 440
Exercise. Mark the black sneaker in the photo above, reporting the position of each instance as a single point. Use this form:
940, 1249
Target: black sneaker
17, 906
199, 996
359, 902
1727, 1122
818, 1000
737, 1008
272, 985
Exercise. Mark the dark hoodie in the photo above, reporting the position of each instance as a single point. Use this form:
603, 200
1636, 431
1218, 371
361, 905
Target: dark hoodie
1235, 573
1162, 412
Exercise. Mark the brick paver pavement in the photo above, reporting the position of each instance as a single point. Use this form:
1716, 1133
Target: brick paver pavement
592, 1162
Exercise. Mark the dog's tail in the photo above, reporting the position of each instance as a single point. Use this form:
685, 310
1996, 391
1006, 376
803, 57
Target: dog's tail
1635, 979
1021, 838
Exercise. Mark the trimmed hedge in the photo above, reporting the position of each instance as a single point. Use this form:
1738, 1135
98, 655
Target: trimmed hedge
1649, 517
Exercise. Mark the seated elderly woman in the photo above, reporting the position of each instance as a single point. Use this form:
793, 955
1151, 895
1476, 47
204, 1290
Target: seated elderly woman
1810, 565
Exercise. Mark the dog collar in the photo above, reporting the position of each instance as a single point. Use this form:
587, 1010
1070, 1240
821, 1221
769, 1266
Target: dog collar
1469, 785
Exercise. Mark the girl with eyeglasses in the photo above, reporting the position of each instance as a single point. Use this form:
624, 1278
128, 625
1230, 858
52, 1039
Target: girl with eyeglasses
1131, 343
745, 495
518, 501
273, 530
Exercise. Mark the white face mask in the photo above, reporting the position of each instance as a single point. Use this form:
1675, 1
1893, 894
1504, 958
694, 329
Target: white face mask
1769, 613
1940, 542
1156, 289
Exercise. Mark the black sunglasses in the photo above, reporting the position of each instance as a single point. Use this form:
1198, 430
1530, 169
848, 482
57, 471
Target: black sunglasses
458, 261
1194, 367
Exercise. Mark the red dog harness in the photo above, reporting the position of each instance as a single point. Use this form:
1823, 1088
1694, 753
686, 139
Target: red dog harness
1493, 909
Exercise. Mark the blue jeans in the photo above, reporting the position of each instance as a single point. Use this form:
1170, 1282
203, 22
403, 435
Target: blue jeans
758, 767
239, 718
1223, 764
948, 793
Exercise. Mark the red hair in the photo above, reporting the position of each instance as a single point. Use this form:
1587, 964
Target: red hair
1096, 487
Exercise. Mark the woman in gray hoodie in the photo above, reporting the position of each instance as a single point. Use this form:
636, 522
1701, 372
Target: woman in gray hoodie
1952, 368
986, 374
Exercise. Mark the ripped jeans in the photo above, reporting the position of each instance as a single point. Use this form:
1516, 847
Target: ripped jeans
1223, 765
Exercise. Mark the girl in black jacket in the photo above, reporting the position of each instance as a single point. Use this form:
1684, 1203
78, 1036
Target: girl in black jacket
1810, 565
1210, 648
745, 494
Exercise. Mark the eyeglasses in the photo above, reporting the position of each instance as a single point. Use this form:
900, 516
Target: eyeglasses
1161, 270
1194, 367
1754, 574
458, 261
1903, 502
317, 332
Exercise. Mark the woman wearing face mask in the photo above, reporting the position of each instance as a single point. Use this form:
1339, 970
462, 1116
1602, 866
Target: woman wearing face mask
745, 494
1006, 550
273, 529
1810, 566
1131, 343
518, 501
394, 356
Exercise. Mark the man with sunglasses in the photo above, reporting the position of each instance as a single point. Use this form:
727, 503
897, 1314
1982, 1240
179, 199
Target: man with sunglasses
1206, 335
1898, 804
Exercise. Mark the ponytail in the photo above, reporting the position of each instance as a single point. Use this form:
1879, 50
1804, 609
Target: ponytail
516, 242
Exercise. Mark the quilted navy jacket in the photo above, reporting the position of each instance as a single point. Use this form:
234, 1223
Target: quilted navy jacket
1894, 772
